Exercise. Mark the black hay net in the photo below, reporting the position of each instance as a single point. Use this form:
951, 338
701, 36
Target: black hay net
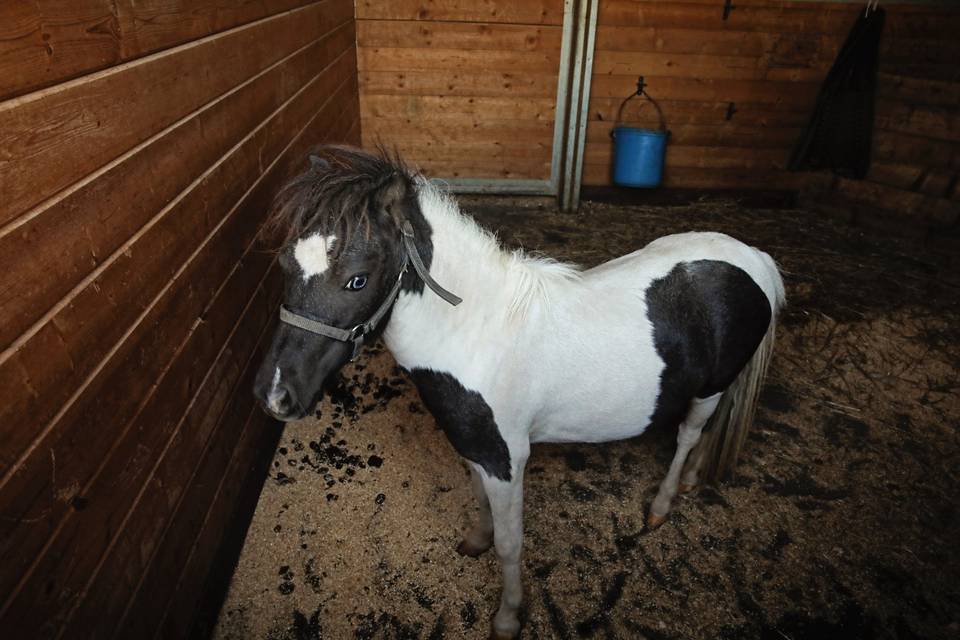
838, 136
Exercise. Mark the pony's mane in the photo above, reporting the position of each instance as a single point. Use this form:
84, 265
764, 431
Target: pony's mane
334, 195
533, 277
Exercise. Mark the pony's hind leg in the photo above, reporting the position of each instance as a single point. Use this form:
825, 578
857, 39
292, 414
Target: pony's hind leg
480, 537
689, 434
690, 477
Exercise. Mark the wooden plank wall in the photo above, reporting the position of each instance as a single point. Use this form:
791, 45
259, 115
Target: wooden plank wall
140, 146
915, 165
767, 60
464, 88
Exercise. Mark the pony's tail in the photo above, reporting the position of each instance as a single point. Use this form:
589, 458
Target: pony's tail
727, 429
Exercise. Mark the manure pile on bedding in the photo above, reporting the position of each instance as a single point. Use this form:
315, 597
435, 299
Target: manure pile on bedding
840, 522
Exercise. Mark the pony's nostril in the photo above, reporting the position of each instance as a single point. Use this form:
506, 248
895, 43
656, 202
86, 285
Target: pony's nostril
280, 401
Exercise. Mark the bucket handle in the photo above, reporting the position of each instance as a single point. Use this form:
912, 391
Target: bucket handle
641, 91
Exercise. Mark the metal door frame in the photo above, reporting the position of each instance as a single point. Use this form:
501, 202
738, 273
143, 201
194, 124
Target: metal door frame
576, 66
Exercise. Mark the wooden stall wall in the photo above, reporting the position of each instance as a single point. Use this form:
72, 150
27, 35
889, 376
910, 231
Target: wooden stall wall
736, 92
915, 165
140, 146
464, 88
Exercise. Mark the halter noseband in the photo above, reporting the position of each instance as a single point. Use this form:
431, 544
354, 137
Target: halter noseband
359, 332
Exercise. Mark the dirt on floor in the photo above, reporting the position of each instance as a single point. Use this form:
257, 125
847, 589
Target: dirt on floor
841, 520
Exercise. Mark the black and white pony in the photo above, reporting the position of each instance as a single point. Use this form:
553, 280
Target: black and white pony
537, 350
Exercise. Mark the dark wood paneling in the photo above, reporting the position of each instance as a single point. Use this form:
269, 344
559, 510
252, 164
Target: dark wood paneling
181, 612
528, 12
74, 131
495, 63
146, 27
790, 95
429, 83
452, 35
136, 555
79, 232
45, 42
768, 59
746, 135
93, 319
42, 43
114, 393
428, 108
131, 370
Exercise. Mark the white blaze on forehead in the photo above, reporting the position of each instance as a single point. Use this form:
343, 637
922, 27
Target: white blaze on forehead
311, 254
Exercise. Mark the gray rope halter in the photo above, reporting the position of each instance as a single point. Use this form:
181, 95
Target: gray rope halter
359, 332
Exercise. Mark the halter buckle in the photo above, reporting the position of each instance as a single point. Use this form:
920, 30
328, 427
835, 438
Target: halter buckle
357, 333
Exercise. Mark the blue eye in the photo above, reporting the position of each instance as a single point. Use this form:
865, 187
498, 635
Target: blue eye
357, 282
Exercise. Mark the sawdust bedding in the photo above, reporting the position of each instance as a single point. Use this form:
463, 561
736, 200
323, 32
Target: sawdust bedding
840, 522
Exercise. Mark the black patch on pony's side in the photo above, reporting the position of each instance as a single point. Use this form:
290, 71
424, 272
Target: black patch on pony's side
467, 420
708, 319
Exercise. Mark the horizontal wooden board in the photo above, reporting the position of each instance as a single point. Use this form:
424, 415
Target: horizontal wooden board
474, 160
796, 96
144, 551
457, 60
719, 157
713, 66
200, 446
905, 148
510, 11
179, 614
916, 207
925, 50
678, 40
492, 84
75, 234
43, 43
895, 174
453, 35
85, 326
461, 130
918, 91
940, 183
774, 48
708, 178
944, 70
728, 135
176, 546
941, 123
430, 108
75, 128
772, 16
106, 398
678, 65
150, 26
807, 19
686, 112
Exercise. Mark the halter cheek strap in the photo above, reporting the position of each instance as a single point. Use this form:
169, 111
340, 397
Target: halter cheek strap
359, 332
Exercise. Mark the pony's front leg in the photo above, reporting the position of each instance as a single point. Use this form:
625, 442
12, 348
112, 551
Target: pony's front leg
506, 506
480, 537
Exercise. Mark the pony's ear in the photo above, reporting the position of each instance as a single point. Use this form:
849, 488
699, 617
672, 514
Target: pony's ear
393, 196
317, 163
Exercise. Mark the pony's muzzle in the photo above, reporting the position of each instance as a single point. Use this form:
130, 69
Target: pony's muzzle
280, 401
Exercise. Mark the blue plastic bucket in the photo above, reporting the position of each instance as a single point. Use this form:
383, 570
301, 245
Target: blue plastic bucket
638, 156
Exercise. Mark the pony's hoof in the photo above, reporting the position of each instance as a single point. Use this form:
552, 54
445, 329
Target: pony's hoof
499, 635
471, 550
686, 488
654, 521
